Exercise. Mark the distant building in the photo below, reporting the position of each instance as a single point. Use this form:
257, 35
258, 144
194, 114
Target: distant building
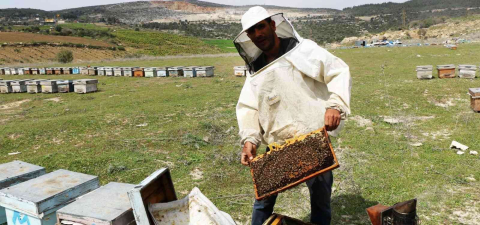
49, 22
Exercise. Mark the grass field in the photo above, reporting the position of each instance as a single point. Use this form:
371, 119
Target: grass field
14, 37
225, 45
134, 126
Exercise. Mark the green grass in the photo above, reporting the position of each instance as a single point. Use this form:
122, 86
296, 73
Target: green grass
224, 45
98, 134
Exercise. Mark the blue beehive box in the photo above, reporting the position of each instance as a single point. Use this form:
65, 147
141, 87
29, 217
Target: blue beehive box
16, 172
75, 70
36, 201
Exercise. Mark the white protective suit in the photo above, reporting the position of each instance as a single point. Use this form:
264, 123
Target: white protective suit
289, 96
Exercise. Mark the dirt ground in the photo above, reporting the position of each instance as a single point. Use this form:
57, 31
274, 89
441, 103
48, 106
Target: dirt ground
16, 37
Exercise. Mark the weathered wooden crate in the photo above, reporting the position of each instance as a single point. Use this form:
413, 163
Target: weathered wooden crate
127, 71
5, 86
42, 71
138, 72
278, 219
107, 205
446, 71
467, 71
162, 71
156, 188
49, 86
67, 70
34, 71
20, 71
150, 72
65, 86
475, 98
27, 71
36, 201
84, 86
425, 72
92, 71
84, 70
50, 71
7, 71
19, 86
117, 71
190, 71
101, 71
108, 71
175, 71
240, 71
57, 70
16, 172
75, 70
34, 86
205, 71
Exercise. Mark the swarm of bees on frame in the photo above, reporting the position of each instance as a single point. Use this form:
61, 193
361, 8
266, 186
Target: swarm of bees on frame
291, 162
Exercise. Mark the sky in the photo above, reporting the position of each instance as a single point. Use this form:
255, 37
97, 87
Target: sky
65, 4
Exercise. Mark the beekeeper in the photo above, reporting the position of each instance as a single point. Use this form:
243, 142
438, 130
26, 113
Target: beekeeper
295, 87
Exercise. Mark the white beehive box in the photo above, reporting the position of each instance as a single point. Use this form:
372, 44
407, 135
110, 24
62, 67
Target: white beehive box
34, 71
108, 71
36, 201
425, 72
16, 172
5, 86
42, 71
240, 71
101, 71
20, 71
84, 70
127, 71
65, 86
162, 71
175, 71
467, 71
190, 71
92, 71
205, 71
13, 71
117, 71
84, 86
34, 86
107, 205
19, 86
7, 71
49, 86
150, 72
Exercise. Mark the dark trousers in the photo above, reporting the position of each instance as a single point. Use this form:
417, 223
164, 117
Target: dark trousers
320, 192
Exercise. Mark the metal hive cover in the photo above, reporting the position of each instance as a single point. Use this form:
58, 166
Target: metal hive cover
85, 81
467, 67
425, 68
474, 91
48, 82
449, 66
12, 171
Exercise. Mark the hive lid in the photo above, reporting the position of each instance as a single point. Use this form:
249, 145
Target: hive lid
190, 68
162, 68
17, 171
467, 67
42, 195
85, 81
149, 69
126, 68
64, 82
34, 82
425, 68
156, 188
176, 68
474, 92
48, 82
19, 82
240, 68
117, 68
107, 203
5, 82
449, 66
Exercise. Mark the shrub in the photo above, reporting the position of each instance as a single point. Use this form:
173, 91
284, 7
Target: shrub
65, 56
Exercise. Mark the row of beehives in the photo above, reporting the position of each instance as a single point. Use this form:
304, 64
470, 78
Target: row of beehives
447, 71
30, 196
178, 71
81, 86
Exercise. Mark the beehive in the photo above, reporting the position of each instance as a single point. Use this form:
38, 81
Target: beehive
150, 72
49, 86
16, 172
35, 71
14, 71
5, 86
108, 71
84, 70
92, 71
50, 71
190, 71
175, 71
162, 71
75, 70
240, 71
84, 86
425, 72
138, 72
7, 71
295, 162
34, 86
57, 71
20, 71
19, 86
127, 71
101, 71
446, 71
2, 71
67, 70
27, 71
475, 98
36, 201
117, 71
467, 71
107, 205
65, 86
205, 71
42, 71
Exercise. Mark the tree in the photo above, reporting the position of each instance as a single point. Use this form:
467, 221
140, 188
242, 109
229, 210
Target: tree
58, 28
65, 56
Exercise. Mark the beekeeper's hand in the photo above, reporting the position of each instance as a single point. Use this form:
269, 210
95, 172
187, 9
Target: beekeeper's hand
249, 152
332, 119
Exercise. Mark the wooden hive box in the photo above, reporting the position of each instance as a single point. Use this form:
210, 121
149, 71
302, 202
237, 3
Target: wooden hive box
67, 70
205, 71
19, 86
101, 71
446, 71
278, 219
5, 86
293, 163
108, 71
475, 98
117, 71
16, 172
138, 72
34, 86
190, 71
75, 70
127, 71
58, 71
425, 72
175, 71
162, 71
20, 71
50, 71
84, 70
467, 71
107, 205
49, 86
84, 86
36, 201
156, 188
7, 71
34, 71
13, 71
42, 71
65, 86
92, 71
150, 72
240, 71
27, 71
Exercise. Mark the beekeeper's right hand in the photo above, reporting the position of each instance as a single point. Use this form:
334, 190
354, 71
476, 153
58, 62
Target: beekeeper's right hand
249, 152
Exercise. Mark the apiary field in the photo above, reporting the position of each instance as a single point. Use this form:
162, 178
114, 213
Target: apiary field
395, 145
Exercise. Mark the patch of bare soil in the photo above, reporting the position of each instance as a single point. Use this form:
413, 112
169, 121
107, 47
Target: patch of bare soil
57, 99
13, 105
196, 174
361, 122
